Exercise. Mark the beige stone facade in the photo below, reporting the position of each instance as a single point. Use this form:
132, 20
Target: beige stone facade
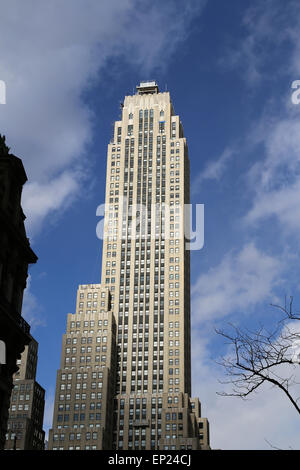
85, 384
146, 269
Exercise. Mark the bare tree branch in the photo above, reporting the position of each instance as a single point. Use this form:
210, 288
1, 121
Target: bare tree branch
261, 356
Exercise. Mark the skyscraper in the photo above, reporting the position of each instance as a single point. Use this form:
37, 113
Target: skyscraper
146, 274
26, 412
85, 384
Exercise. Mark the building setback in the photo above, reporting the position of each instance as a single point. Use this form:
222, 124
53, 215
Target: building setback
26, 412
15, 255
85, 384
146, 274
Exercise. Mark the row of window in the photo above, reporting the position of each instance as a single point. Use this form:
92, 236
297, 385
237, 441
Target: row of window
78, 386
20, 407
91, 295
86, 339
79, 417
88, 323
84, 359
76, 436
77, 448
83, 396
77, 396
83, 349
90, 304
21, 397
81, 375
82, 406
22, 387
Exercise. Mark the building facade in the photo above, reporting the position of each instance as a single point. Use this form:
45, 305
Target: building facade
15, 256
85, 384
146, 270
26, 412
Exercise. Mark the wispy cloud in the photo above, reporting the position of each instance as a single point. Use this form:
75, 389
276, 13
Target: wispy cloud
271, 28
49, 406
250, 277
41, 199
283, 204
32, 310
214, 169
232, 420
52, 52
265, 28
275, 179
240, 281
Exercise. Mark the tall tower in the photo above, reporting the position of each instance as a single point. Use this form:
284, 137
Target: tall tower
146, 270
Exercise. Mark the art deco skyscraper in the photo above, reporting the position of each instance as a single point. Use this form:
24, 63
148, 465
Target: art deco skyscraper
146, 270
85, 384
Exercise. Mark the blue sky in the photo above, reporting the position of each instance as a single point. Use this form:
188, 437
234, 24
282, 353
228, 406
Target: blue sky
229, 67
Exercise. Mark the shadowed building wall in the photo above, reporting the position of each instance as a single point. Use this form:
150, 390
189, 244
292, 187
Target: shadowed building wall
26, 412
15, 256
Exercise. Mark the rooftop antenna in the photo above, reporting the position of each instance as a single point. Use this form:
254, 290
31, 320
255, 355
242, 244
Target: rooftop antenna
166, 87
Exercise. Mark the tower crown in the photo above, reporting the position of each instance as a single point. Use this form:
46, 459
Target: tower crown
149, 86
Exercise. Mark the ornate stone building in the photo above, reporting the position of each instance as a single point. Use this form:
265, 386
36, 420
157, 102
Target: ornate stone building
15, 256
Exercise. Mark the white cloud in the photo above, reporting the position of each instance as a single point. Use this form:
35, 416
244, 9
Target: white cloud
240, 281
274, 178
249, 277
235, 423
49, 407
284, 204
51, 53
266, 26
281, 141
214, 169
41, 199
31, 310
